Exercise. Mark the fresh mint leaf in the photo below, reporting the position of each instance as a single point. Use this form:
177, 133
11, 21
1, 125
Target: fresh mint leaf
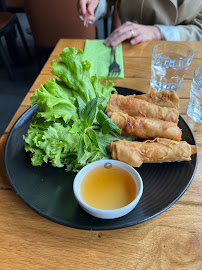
104, 141
87, 142
101, 117
108, 126
81, 106
90, 110
81, 148
93, 136
106, 123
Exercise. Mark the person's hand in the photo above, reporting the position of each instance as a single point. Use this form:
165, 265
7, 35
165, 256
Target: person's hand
87, 6
133, 31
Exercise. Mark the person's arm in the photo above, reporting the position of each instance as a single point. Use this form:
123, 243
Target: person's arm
101, 10
169, 32
191, 31
135, 32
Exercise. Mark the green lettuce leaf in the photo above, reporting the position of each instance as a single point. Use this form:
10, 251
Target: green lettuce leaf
72, 70
65, 130
55, 101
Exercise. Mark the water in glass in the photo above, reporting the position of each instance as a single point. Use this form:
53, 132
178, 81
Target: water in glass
170, 63
195, 103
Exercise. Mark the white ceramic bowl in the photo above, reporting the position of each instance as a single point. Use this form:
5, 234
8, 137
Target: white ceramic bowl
108, 214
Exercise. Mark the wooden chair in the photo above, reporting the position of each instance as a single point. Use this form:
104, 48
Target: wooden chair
14, 6
52, 20
8, 22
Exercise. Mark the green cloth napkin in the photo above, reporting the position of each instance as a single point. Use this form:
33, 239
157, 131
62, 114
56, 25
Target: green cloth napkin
101, 57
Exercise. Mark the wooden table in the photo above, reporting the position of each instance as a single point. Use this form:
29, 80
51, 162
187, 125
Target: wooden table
172, 240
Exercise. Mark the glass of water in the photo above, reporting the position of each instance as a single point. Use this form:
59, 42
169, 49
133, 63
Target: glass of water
195, 103
170, 62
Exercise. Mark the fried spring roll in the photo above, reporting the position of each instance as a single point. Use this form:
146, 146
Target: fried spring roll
137, 107
144, 127
157, 151
163, 98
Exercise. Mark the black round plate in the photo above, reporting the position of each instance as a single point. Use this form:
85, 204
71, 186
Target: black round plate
48, 190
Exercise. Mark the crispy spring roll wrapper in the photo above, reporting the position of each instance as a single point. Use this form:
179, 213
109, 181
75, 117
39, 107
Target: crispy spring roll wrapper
163, 98
156, 151
138, 107
145, 128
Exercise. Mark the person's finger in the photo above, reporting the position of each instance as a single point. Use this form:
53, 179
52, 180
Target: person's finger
81, 4
86, 20
92, 6
119, 37
123, 28
125, 31
91, 17
136, 40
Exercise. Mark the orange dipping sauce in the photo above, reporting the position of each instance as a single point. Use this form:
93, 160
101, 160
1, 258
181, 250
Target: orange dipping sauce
108, 188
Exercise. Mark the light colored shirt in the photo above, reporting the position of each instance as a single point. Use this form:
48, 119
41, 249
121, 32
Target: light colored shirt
176, 20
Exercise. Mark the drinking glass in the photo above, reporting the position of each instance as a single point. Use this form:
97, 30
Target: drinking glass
195, 103
170, 62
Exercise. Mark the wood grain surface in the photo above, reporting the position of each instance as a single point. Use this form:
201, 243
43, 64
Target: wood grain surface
173, 240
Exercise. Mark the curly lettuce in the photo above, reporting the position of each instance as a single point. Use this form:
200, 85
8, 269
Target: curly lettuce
70, 128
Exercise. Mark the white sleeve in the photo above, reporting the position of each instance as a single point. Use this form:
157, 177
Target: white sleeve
169, 32
100, 10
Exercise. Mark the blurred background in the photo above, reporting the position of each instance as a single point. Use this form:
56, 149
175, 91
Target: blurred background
29, 30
